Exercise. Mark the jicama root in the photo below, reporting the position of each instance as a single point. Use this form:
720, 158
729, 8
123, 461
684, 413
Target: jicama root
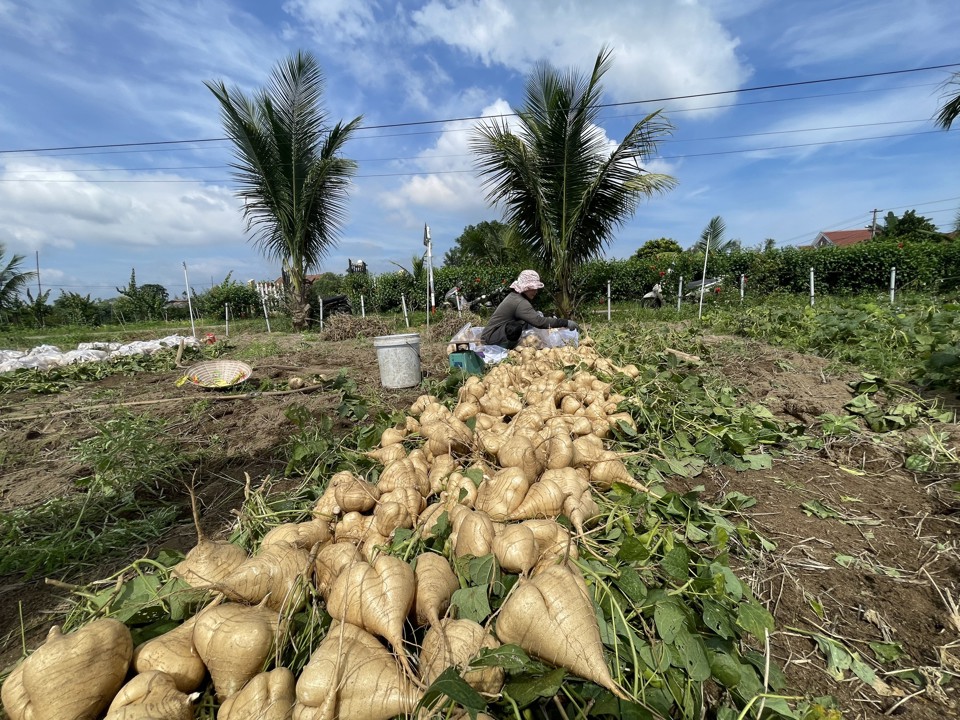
500, 495
150, 695
331, 560
356, 495
276, 574
552, 617
234, 641
544, 499
70, 676
436, 583
515, 548
174, 654
302, 535
609, 468
351, 675
268, 696
454, 643
375, 597
472, 534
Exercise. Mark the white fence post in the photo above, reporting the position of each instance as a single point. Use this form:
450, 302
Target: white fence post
812, 301
893, 284
321, 314
608, 301
263, 300
680, 293
193, 327
226, 319
403, 301
743, 281
363, 309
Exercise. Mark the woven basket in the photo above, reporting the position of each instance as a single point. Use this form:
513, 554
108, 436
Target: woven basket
218, 373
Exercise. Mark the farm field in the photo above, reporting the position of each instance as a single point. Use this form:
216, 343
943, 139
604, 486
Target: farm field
837, 489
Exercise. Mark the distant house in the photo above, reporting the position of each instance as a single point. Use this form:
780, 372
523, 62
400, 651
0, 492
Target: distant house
841, 238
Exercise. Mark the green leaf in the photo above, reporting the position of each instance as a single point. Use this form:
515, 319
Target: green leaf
887, 652
670, 620
824, 512
725, 669
754, 618
511, 658
694, 655
631, 585
528, 689
676, 563
482, 570
472, 603
451, 685
759, 462
719, 619
633, 550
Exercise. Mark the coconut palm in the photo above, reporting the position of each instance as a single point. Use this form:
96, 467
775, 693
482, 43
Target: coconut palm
12, 279
951, 107
562, 187
292, 179
712, 237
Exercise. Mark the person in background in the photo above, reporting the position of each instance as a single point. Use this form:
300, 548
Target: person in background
515, 313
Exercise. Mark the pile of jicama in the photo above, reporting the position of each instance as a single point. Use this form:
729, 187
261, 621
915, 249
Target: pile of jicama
523, 446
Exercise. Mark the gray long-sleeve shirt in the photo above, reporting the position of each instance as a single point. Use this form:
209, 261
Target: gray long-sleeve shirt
515, 307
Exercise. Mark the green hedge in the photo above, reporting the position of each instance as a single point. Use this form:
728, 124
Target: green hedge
926, 266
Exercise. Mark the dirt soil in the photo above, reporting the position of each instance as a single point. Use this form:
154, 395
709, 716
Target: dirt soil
882, 567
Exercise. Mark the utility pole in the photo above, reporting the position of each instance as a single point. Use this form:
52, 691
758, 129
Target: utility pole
873, 225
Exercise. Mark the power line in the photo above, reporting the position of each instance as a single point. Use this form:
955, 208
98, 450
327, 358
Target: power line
416, 123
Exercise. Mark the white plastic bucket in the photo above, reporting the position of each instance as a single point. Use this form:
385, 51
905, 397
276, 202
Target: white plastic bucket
399, 359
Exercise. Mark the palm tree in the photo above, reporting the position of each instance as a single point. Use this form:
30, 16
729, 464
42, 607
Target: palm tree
563, 189
951, 108
12, 279
291, 177
712, 235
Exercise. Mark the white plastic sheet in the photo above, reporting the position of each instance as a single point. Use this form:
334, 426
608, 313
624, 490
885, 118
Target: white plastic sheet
44, 357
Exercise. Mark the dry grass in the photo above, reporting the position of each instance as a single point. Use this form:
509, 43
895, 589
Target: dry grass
348, 327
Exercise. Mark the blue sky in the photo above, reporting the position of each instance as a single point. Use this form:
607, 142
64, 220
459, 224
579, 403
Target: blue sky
782, 163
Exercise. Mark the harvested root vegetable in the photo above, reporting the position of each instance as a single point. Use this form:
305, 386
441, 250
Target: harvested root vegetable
353, 527
388, 454
403, 473
268, 696
447, 436
500, 495
331, 560
173, 653
454, 643
376, 597
277, 573
392, 436
544, 499
460, 490
436, 583
552, 617
389, 517
70, 676
520, 452
234, 641
472, 534
515, 548
609, 469
409, 497
302, 535
422, 403
553, 540
208, 562
356, 495
352, 676
440, 470
150, 695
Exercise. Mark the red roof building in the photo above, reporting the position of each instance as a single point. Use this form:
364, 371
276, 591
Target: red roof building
841, 238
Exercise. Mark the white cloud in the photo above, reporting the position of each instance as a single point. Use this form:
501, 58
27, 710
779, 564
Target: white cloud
661, 48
